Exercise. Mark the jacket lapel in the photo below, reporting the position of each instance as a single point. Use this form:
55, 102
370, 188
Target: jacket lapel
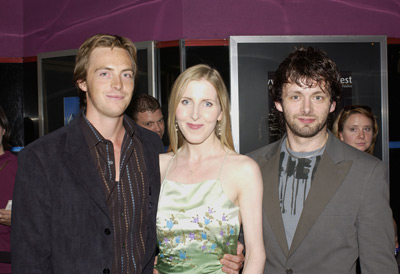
269, 165
78, 159
330, 174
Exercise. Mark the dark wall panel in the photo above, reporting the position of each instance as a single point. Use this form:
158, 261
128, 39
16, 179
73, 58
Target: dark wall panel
18, 97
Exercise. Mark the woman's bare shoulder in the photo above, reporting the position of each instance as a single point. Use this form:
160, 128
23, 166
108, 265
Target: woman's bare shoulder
242, 174
165, 158
239, 168
241, 162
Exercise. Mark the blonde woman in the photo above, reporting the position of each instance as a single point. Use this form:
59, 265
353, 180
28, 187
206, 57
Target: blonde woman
208, 190
356, 125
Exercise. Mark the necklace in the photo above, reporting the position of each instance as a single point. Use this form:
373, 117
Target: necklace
193, 171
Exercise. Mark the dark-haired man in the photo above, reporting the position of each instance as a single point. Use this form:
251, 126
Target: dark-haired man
86, 195
147, 113
325, 203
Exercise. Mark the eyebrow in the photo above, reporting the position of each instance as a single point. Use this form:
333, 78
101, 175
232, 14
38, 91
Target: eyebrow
358, 125
111, 69
129, 69
206, 99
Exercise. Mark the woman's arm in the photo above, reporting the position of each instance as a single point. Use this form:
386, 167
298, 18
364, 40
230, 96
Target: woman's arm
250, 194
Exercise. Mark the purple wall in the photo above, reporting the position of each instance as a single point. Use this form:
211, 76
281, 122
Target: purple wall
221, 18
66, 26
11, 28
48, 26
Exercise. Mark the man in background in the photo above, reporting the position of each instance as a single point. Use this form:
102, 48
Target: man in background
147, 113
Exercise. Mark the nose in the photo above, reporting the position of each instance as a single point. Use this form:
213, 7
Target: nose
116, 83
307, 107
361, 134
195, 113
157, 127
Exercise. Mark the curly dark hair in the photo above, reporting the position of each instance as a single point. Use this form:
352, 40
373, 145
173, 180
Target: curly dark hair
304, 66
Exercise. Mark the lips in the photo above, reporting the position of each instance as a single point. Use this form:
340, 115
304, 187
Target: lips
115, 96
306, 120
194, 126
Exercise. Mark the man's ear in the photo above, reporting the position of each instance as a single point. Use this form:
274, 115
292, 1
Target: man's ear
82, 85
278, 106
333, 107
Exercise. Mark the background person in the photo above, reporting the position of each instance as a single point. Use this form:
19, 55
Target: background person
356, 125
207, 188
147, 113
8, 170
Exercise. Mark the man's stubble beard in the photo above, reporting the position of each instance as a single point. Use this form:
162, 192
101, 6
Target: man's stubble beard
305, 131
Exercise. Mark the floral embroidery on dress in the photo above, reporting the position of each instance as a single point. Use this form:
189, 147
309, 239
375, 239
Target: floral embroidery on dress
196, 225
221, 246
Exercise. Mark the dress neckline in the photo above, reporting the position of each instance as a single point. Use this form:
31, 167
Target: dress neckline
196, 183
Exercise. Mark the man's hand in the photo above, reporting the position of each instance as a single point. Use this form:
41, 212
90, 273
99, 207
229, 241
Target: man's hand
233, 263
5, 217
155, 271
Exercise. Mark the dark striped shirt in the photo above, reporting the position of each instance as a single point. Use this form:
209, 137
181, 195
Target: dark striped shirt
127, 199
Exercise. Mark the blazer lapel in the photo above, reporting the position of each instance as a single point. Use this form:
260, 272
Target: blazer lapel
327, 179
269, 165
78, 159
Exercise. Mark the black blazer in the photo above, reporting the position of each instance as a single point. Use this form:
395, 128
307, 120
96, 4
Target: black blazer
60, 218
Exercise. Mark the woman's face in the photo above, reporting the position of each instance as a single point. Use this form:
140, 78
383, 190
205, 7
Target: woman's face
198, 112
357, 131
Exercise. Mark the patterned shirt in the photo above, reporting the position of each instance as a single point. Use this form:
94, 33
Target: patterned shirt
296, 173
127, 199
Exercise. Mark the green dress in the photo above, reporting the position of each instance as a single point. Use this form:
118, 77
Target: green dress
196, 225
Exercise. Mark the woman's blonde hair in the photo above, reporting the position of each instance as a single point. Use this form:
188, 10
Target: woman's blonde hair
346, 112
197, 73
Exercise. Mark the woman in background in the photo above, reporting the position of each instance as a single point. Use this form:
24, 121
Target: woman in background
356, 126
8, 170
207, 188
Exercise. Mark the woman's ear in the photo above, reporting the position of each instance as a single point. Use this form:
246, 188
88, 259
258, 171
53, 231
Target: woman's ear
220, 116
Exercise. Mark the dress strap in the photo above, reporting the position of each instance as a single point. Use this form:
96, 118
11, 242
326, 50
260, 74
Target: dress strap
220, 169
169, 165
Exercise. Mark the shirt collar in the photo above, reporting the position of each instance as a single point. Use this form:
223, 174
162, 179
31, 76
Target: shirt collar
93, 136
